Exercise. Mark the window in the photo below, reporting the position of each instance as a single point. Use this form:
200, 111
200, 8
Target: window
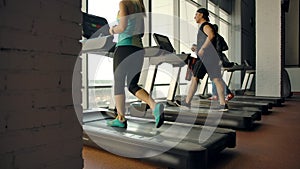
104, 8
174, 19
97, 84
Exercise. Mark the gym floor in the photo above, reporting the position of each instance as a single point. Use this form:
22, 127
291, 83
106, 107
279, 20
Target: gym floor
273, 143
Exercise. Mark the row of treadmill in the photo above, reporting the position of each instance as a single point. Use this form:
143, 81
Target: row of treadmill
190, 137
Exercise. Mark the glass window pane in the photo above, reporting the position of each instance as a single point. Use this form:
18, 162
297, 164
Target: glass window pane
188, 26
211, 7
100, 70
100, 97
99, 74
104, 8
188, 36
162, 17
224, 15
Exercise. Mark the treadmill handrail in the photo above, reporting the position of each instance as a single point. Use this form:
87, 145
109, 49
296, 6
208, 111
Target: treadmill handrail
158, 56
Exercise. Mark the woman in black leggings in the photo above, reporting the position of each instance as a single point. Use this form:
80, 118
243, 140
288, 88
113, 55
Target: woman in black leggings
128, 61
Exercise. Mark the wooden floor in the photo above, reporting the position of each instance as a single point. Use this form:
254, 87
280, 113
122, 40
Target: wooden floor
273, 144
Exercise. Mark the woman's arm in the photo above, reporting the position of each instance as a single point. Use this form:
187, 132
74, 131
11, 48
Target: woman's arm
123, 20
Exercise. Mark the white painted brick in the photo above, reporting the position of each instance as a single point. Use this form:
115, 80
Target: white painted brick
2, 80
36, 111
44, 156
6, 161
75, 3
74, 163
68, 149
45, 117
19, 22
27, 41
35, 100
2, 3
24, 119
53, 98
31, 8
9, 102
14, 140
16, 60
71, 13
26, 80
39, 127
32, 80
79, 112
48, 154
33, 148
72, 118
71, 46
24, 160
72, 30
66, 80
45, 21
57, 27
54, 62
50, 10
2, 123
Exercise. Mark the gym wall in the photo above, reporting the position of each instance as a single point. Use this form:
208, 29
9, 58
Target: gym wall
268, 48
39, 44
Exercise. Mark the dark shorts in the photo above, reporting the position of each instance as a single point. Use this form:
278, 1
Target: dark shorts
208, 64
199, 69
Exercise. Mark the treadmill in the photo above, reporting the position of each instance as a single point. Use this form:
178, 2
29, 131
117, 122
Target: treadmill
174, 145
263, 106
202, 100
246, 85
235, 119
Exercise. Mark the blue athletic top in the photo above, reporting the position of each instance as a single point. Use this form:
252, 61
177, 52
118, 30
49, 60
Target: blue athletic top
132, 36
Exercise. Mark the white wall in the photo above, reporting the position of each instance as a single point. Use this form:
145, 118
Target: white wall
39, 44
268, 55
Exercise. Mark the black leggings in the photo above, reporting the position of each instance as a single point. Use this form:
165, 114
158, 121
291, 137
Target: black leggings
128, 62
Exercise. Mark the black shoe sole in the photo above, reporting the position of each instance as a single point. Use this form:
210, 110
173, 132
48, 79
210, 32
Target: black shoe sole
161, 120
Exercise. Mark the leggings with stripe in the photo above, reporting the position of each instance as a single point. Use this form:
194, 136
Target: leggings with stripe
127, 64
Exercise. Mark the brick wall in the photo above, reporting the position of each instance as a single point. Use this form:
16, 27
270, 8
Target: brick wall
39, 45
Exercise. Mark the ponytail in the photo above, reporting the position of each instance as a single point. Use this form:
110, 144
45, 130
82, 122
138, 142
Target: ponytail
142, 6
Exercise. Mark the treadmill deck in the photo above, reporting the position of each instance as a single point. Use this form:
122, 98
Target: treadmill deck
173, 145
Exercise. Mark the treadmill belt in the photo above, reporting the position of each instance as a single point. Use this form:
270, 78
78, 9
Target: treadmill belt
235, 119
273, 101
237, 105
234, 104
176, 145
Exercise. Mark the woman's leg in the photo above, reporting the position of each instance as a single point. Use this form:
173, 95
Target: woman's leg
144, 96
120, 106
133, 77
119, 82
119, 91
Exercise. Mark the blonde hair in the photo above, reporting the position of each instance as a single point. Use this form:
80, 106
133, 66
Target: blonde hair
139, 3
142, 6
